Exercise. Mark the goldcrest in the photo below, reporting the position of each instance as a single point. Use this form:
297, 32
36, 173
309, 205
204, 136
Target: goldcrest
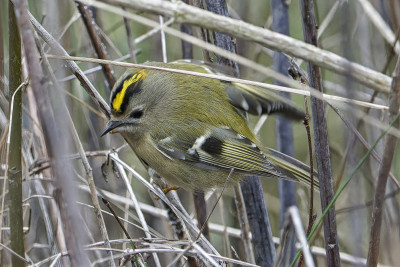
193, 130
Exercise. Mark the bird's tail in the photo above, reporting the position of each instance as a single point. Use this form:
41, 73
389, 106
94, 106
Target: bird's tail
291, 167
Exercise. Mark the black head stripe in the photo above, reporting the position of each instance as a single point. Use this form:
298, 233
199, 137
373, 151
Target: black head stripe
129, 86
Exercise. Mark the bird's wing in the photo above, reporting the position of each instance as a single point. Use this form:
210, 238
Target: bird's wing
220, 147
248, 98
257, 101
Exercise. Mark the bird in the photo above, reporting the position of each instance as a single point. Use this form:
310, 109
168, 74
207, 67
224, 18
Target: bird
193, 131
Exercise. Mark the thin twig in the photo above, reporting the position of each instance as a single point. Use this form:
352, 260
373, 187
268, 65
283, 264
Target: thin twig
108, 205
310, 151
91, 26
311, 215
105, 201
130, 40
389, 148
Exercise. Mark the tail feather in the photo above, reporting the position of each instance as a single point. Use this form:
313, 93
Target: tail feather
292, 167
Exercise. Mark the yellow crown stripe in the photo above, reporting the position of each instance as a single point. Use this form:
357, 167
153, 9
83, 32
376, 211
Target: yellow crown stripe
119, 98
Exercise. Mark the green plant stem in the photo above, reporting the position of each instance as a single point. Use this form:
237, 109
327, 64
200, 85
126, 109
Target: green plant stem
14, 155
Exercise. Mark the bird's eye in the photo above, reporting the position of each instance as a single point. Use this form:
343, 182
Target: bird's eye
136, 114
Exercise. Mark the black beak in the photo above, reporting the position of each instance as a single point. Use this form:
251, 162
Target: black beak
111, 125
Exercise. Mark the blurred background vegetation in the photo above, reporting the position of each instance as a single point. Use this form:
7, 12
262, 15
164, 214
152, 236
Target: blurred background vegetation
349, 32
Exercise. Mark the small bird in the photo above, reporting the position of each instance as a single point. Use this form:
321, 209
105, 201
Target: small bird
193, 130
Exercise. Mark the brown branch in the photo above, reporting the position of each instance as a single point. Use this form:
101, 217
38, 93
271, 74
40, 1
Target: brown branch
311, 217
110, 208
91, 27
384, 169
321, 142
